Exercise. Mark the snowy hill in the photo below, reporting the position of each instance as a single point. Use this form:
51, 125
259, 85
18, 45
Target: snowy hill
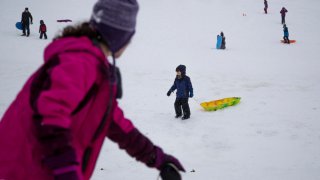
273, 134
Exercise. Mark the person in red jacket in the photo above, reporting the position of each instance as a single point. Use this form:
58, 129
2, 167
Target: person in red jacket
283, 15
43, 30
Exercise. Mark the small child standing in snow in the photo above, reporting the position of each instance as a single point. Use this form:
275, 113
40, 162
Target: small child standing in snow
184, 90
286, 34
43, 30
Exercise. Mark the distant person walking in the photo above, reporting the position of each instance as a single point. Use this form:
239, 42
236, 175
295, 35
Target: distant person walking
283, 15
265, 6
43, 30
26, 19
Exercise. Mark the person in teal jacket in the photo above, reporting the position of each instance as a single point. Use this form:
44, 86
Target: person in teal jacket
286, 34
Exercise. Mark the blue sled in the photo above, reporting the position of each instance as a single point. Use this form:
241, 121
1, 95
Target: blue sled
19, 25
219, 42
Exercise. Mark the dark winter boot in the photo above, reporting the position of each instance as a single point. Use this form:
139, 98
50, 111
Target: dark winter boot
286, 40
185, 117
177, 116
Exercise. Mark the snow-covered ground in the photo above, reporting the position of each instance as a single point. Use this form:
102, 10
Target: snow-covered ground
273, 134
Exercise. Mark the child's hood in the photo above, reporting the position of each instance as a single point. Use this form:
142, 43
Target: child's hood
182, 69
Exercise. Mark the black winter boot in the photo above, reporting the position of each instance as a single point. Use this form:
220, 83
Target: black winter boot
185, 117
177, 116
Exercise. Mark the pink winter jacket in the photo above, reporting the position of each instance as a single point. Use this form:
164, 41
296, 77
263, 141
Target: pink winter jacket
80, 65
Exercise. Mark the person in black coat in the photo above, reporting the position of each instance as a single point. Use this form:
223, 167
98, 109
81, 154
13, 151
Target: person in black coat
283, 15
26, 19
223, 44
183, 85
265, 6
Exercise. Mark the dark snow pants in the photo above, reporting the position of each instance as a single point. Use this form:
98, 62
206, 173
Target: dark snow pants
283, 19
223, 45
43, 34
182, 103
286, 39
26, 27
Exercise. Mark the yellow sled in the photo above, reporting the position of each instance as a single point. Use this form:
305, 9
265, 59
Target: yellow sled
220, 104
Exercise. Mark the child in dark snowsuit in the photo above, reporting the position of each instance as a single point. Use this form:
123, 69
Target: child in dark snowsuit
43, 30
223, 44
184, 90
283, 15
265, 6
286, 34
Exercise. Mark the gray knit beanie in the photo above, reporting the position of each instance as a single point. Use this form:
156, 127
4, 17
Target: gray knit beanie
115, 20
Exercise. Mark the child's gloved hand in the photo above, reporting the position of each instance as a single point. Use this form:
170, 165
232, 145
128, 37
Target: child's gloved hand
163, 159
170, 172
191, 95
168, 165
168, 93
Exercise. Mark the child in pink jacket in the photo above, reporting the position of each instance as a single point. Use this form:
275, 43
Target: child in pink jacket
56, 126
